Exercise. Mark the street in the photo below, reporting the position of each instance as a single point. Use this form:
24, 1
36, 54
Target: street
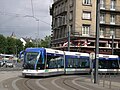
13, 80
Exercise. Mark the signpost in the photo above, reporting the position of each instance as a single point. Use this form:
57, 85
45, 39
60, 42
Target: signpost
92, 57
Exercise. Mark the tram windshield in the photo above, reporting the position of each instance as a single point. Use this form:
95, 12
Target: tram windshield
30, 60
31, 57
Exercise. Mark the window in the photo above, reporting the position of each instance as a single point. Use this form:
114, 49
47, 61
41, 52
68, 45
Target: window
112, 32
102, 32
102, 4
87, 2
112, 19
102, 18
86, 15
71, 15
71, 2
85, 30
112, 6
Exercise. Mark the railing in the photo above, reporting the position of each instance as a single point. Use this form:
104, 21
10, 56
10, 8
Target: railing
92, 34
107, 80
109, 7
110, 23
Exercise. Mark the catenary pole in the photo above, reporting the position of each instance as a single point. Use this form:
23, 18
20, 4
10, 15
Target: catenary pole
97, 40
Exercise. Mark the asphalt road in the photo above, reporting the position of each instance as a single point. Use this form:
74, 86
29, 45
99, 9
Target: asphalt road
12, 80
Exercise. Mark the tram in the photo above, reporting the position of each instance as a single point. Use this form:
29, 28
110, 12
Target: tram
76, 62
109, 63
45, 62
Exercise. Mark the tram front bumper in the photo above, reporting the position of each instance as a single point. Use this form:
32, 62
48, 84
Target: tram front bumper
33, 73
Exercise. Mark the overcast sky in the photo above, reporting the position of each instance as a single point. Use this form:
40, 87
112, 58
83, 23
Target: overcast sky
13, 18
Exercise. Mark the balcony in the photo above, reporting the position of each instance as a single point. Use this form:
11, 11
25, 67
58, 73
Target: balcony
116, 24
109, 8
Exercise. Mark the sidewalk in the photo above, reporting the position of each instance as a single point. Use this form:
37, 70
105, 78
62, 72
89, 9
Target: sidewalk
106, 83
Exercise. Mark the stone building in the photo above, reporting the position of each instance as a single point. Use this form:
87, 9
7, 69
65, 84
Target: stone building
78, 17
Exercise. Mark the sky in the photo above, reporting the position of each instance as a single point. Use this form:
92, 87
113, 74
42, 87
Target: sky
16, 17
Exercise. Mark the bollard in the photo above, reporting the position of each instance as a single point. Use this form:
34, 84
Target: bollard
104, 80
110, 82
92, 75
99, 77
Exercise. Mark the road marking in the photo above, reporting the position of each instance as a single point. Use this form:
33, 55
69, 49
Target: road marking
41, 86
53, 82
14, 84
73, 81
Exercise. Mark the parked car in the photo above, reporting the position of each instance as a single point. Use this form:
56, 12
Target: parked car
1, 63
9, 64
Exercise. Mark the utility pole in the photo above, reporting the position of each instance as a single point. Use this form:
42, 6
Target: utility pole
112, 43
97, 40
68, 38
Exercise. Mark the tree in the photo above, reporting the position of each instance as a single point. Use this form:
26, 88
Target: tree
2, 44
11, 43
45, 42
29, 45
18, 46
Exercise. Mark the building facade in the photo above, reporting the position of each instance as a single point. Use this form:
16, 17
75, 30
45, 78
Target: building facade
78, 17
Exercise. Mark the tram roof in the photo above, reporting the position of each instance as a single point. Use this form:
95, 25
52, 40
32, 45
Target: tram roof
108, 56
34, 49
49, 50
76, 53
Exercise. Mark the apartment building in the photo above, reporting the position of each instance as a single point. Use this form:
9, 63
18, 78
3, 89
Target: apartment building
78, 17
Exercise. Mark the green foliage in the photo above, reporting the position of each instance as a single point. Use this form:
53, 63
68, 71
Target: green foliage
19, 46
2, 44
45, 42
10, 45
29, 45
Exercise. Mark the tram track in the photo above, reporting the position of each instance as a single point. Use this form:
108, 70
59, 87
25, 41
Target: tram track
27, 86
73, 85
68, 85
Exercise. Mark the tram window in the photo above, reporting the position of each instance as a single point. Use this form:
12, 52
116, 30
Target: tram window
55, 61
114, 64
77, 63
101, 64
40, 60
70, 63
83, 63
104, 64
108, 64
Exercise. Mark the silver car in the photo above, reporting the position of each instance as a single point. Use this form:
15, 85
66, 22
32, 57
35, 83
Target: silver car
9, 64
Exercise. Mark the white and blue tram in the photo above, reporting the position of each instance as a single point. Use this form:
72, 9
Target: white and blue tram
76, 62
45, 62
109, 63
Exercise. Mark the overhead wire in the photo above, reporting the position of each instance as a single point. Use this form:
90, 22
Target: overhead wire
15, 15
